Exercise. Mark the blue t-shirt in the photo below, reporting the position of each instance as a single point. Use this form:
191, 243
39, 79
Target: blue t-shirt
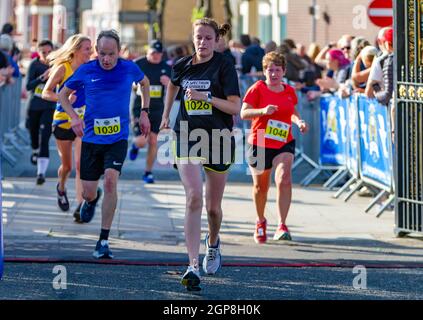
107, 99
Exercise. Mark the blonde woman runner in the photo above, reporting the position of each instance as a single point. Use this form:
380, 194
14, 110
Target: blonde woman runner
64, 62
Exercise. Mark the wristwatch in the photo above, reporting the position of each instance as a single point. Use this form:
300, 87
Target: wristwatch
146, 110
209, 97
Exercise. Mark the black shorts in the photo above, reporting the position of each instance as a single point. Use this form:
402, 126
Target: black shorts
155, 120
63, 134
269, 155
96, 158
214, 158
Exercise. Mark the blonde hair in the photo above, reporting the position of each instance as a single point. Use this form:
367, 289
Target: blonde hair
67, 51
313, 51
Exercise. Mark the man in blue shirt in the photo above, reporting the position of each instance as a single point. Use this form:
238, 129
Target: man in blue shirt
107, 82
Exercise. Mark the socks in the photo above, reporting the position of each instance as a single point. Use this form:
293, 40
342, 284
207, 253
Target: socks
42, 164
104, 234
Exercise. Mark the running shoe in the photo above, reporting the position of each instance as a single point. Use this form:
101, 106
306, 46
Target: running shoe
133, 153
191, 279
282, 233
212, 260
260, 232
88, 208
77, 214
148, 178
33, 158
102, 250
40, 179
62, 199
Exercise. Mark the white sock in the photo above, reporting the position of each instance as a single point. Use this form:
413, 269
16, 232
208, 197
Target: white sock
42, 164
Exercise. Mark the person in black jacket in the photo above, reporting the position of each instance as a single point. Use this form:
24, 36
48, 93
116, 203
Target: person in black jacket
40, 111
384, 95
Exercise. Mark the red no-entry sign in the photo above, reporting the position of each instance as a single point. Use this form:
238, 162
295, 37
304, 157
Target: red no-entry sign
380, 13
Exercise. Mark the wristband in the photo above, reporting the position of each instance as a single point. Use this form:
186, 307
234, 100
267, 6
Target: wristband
146, 110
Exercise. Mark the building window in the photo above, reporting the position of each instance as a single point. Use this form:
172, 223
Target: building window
265, 22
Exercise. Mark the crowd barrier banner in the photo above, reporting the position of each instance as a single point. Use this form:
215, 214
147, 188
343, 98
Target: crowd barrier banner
333, 130
375, 144
1, 227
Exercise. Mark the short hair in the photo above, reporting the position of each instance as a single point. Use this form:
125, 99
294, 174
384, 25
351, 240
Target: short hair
45, 42
111, 34
274, 57
7, 28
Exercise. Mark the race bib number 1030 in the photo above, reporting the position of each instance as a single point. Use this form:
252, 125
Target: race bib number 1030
106, 127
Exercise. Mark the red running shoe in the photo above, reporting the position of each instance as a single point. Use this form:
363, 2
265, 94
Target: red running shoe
260, 232
282, 233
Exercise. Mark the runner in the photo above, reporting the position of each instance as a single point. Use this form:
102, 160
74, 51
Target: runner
107, 82
158, 72
40, 111
210, 97
65, 61
270, 105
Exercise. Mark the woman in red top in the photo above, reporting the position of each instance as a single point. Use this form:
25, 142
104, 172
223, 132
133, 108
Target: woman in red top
270, 105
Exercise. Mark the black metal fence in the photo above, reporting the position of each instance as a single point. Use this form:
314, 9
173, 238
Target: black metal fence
409, 120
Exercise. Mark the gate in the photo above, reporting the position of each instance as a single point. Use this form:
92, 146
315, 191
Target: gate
409, 111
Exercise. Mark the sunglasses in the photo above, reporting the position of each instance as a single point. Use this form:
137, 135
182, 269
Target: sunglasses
346, 48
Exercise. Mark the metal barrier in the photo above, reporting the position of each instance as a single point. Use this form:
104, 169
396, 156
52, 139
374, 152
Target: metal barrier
10, 133
368, 151
322, 147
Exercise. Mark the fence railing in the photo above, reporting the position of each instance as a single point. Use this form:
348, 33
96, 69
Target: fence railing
10, 133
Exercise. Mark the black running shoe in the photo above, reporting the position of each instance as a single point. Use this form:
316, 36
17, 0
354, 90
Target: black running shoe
191, 279
77, 214
88, 208
40, 179
62, 199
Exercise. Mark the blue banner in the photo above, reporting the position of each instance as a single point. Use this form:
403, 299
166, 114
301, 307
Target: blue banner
1, 227
333, 130
375, 139
353, 133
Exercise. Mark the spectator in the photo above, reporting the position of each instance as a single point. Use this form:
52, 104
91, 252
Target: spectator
361, 68
270, 46
358, 44
6, 46
340, 67
294, 64
384, 95
223, 48
344, 44
376, 73
252, 57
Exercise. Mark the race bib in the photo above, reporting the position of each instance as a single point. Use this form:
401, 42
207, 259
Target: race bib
277, 130
155, 91
198, 108
39, 90
105, 127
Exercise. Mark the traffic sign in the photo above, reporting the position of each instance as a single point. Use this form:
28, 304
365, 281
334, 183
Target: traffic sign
381, 13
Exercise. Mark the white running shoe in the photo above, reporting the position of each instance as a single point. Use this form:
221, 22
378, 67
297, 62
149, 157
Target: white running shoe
213, 259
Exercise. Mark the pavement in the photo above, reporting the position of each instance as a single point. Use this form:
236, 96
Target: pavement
331, 239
